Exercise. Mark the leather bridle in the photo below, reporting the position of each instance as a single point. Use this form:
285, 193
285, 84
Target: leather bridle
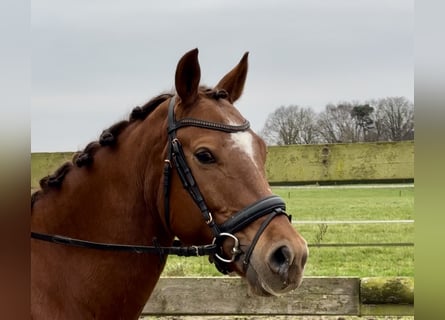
272, 205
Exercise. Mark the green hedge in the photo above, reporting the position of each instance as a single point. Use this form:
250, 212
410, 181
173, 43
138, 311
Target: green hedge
352, 162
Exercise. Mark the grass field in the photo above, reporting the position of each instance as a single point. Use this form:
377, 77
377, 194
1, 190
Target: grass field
321, 204
327, 204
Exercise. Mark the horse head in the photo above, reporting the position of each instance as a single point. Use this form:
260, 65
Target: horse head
225, 160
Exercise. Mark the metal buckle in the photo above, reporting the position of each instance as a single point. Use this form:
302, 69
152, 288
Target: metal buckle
210, 221
235, 250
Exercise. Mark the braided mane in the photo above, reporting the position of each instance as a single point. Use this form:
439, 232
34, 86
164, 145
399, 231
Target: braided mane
108, 138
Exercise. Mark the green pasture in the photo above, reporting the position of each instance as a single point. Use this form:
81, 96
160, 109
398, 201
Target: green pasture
321, 204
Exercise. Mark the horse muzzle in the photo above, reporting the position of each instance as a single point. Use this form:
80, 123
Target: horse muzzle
273, 265
271, 206
278, 268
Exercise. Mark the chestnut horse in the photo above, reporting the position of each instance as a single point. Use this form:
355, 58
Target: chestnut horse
185, 166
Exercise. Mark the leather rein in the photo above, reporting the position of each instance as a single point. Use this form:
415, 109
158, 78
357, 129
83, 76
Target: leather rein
272, 205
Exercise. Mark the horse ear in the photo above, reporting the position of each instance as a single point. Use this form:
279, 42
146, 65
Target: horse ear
188, 74
233, 82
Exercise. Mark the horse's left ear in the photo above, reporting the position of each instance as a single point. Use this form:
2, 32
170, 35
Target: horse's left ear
233, 82
187, 77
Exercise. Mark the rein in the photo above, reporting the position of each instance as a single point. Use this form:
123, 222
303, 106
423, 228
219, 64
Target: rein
272, 205
175, 249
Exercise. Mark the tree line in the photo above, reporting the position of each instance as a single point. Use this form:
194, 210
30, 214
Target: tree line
384, 119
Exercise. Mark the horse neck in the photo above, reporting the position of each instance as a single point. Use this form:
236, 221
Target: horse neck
114, 200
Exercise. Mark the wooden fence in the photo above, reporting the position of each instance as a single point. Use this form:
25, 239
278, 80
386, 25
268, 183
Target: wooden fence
320, 296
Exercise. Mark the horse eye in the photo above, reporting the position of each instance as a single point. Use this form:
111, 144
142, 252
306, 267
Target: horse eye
205, 157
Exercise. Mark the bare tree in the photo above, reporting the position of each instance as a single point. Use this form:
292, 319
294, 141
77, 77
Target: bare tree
336, 124
386, 119
291, 125
394, 119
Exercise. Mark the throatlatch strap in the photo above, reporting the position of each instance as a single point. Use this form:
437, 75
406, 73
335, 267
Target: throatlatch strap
168, 166
167, 169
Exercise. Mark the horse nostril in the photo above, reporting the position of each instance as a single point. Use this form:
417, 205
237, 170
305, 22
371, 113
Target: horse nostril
280, 260
282, 255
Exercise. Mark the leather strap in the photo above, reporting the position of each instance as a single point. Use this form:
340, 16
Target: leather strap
249, 214
255, 239
204, 250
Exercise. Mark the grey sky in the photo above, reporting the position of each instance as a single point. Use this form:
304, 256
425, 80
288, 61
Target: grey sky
93, 61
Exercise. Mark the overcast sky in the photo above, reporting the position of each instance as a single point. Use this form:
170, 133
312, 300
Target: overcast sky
93, 61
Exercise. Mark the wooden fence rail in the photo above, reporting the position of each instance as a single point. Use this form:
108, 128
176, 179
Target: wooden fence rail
375, 244
324, 296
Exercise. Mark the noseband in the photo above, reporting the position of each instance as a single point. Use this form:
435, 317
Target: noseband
272, 205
